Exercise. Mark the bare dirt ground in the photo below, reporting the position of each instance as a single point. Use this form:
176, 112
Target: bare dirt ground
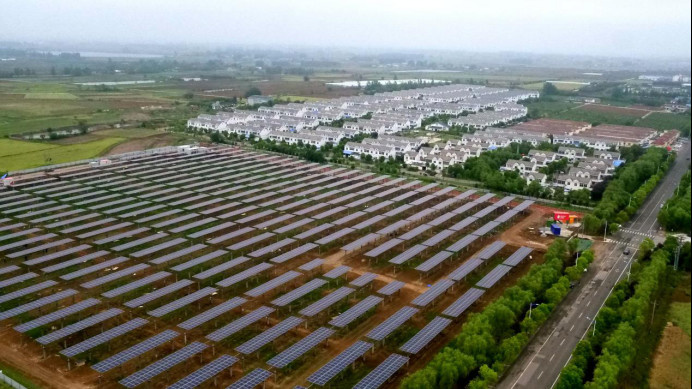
671, 365
144, 143
48, 375
520, 234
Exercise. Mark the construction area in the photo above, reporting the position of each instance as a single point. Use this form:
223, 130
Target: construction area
226, 267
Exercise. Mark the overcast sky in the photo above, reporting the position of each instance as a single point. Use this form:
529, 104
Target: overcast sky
637, 28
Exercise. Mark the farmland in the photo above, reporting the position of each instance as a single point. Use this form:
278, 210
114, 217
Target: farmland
245, 255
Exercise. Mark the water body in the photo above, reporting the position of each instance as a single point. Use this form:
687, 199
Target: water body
94, 83
100, 54
383, 82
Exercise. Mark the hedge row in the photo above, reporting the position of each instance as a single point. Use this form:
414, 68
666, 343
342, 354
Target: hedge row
628, 190
621, 322
676, 214
491, 340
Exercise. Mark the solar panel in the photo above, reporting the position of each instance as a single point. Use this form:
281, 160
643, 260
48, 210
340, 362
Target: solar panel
17, 279
434, 292
484, 198
162, 365
362, 241
135, 284
465, 269
56, 315
462, 303
383, 248
176, 220
360, 201
293, 253
392, 323
149, 297
125, 234
181, 302
274, 221
339, 363
94, 268
158, 216
438, 238
159, 247
251, 380
104, 230
311, 265
238, 324
504, 201
378, 206
293, 204
114, 276
210, 230
250, 241
518, 256
408, 254
363, 280
337, 272
424, 336
464, 223
226, 206
462, 243
393, 227
326, 301
220, 268
177, 254
78, 326
245, 274
486, 228
355, 311
506, 216
269, 335
205, 372
444, 191
382, 372
493, 276
231, 235
8, 269
369, 222
256, 216
491, 250
299, 292
103, 337
442, 219
19, 233
212, 313
273, 284
391, 288
293, 226
334, 236
523, 205
314, 230
192, 225
26, 291
433, 261
271, 247
415, 232
293, 352
140, 241
404, 196
398, 210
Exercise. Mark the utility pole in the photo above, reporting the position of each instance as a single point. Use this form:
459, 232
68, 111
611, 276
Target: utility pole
652, 314
605, 230
677, 256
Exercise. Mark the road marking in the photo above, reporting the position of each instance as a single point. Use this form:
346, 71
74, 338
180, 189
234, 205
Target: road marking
587, 304
571, 328
540, 375
563, 341
551, 358
581, 314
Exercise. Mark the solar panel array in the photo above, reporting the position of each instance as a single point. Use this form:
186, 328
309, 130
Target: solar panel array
251, 380
518, 256
269, 335
382, 372
424, 336
304, 345
212, 313
465, 269
431, 294
78, 326
164, 364
205, 372
493, 276
103, 337
326, 301
237, 325
355, 311
339, 363
392, 323
462, 303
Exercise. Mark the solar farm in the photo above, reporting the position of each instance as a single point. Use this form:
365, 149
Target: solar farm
233, 268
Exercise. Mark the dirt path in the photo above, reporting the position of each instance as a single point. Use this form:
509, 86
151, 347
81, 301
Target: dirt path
520, 235
24, 360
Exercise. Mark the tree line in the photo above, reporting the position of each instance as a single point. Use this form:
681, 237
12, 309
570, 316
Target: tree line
600, 360
675, 214
490, 341
628, 190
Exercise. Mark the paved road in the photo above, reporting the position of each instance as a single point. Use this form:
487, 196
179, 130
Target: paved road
541, 363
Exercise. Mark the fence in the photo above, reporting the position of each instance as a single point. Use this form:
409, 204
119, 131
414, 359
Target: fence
9, 381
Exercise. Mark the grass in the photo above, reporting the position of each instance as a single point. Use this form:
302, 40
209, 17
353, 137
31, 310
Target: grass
17, 376
10, 147
681, 315
560, 109
55, 154
563, 85
667, 121
50, 96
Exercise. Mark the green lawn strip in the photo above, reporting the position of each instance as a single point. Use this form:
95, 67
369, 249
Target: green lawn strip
17, 376
680, 314
58, 154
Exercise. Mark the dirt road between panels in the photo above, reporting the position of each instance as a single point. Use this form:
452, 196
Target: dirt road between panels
46, 375
520, 235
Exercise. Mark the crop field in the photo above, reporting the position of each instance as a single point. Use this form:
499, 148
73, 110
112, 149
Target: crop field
231, 266
624, 111
667, 121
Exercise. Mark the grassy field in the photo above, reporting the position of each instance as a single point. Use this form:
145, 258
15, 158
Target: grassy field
9, 147
53, 155
667, 121
563, 85
17, 376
